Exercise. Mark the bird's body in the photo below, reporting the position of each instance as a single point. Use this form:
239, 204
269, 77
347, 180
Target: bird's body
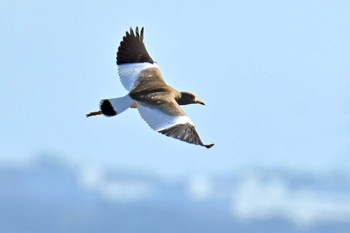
157, 102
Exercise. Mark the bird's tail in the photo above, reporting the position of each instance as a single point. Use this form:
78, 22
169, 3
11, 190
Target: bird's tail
112, 107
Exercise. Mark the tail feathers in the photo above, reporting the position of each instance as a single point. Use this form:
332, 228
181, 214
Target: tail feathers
112, 107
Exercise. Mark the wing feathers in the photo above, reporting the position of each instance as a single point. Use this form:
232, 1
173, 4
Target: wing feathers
159, 120
132, 49
184, 132
130, 73
177, 126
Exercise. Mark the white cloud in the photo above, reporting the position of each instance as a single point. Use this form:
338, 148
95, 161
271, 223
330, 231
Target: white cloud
200, 187
91, 177
125, 190
255, 199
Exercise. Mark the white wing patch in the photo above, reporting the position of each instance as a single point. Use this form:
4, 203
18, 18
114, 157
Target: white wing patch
159, 120
129, 73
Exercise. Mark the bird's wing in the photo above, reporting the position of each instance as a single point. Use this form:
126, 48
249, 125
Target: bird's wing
169, 119
133, 59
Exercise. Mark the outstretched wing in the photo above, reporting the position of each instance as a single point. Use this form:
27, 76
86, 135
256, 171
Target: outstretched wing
132, 49
169, 119
133, 58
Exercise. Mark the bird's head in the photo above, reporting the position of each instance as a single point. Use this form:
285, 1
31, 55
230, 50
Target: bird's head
188, 98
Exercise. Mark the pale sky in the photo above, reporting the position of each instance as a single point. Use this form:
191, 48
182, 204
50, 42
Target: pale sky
274, 76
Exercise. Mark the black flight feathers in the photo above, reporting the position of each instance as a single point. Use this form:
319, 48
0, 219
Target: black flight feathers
185, 132
132, 49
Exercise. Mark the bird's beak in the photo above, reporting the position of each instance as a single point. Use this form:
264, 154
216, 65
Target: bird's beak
198, 101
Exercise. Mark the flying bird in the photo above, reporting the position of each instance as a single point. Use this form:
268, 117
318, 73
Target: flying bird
157, 102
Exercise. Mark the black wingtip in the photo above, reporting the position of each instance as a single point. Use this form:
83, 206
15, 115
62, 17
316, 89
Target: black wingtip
209, 146
132, 48
185, 132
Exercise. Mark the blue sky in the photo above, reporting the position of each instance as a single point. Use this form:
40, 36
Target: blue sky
274, 76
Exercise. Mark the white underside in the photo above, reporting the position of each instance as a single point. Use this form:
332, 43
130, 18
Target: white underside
159, 120
129, 73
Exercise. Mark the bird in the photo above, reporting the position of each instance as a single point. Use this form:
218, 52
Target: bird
157, 102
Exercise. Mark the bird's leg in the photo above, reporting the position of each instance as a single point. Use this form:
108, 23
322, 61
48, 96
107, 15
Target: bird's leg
134, 105
93, 113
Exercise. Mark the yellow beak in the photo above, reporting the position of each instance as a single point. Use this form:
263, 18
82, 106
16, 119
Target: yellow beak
198, 101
